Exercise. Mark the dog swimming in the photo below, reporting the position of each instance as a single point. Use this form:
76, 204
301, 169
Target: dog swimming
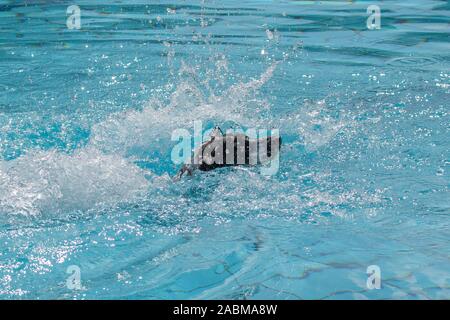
229, 150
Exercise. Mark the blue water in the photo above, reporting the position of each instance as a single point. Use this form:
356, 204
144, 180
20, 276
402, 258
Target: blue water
86, 118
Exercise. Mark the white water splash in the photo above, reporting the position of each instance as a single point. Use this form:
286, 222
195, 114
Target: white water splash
50, 181
103, 172
145, 129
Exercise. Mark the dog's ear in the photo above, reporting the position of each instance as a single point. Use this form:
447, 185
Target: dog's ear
185, 168
216, 133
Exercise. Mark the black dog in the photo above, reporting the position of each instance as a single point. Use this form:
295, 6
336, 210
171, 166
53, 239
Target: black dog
231, 150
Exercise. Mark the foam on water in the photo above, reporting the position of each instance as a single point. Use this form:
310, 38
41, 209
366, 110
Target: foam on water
104, 171
54, 182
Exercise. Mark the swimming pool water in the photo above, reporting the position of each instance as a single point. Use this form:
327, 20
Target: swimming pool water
86, 118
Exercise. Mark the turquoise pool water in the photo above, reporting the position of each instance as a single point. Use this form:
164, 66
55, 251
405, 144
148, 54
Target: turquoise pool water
86, 118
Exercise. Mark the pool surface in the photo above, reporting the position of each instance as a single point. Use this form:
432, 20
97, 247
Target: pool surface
88, 208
